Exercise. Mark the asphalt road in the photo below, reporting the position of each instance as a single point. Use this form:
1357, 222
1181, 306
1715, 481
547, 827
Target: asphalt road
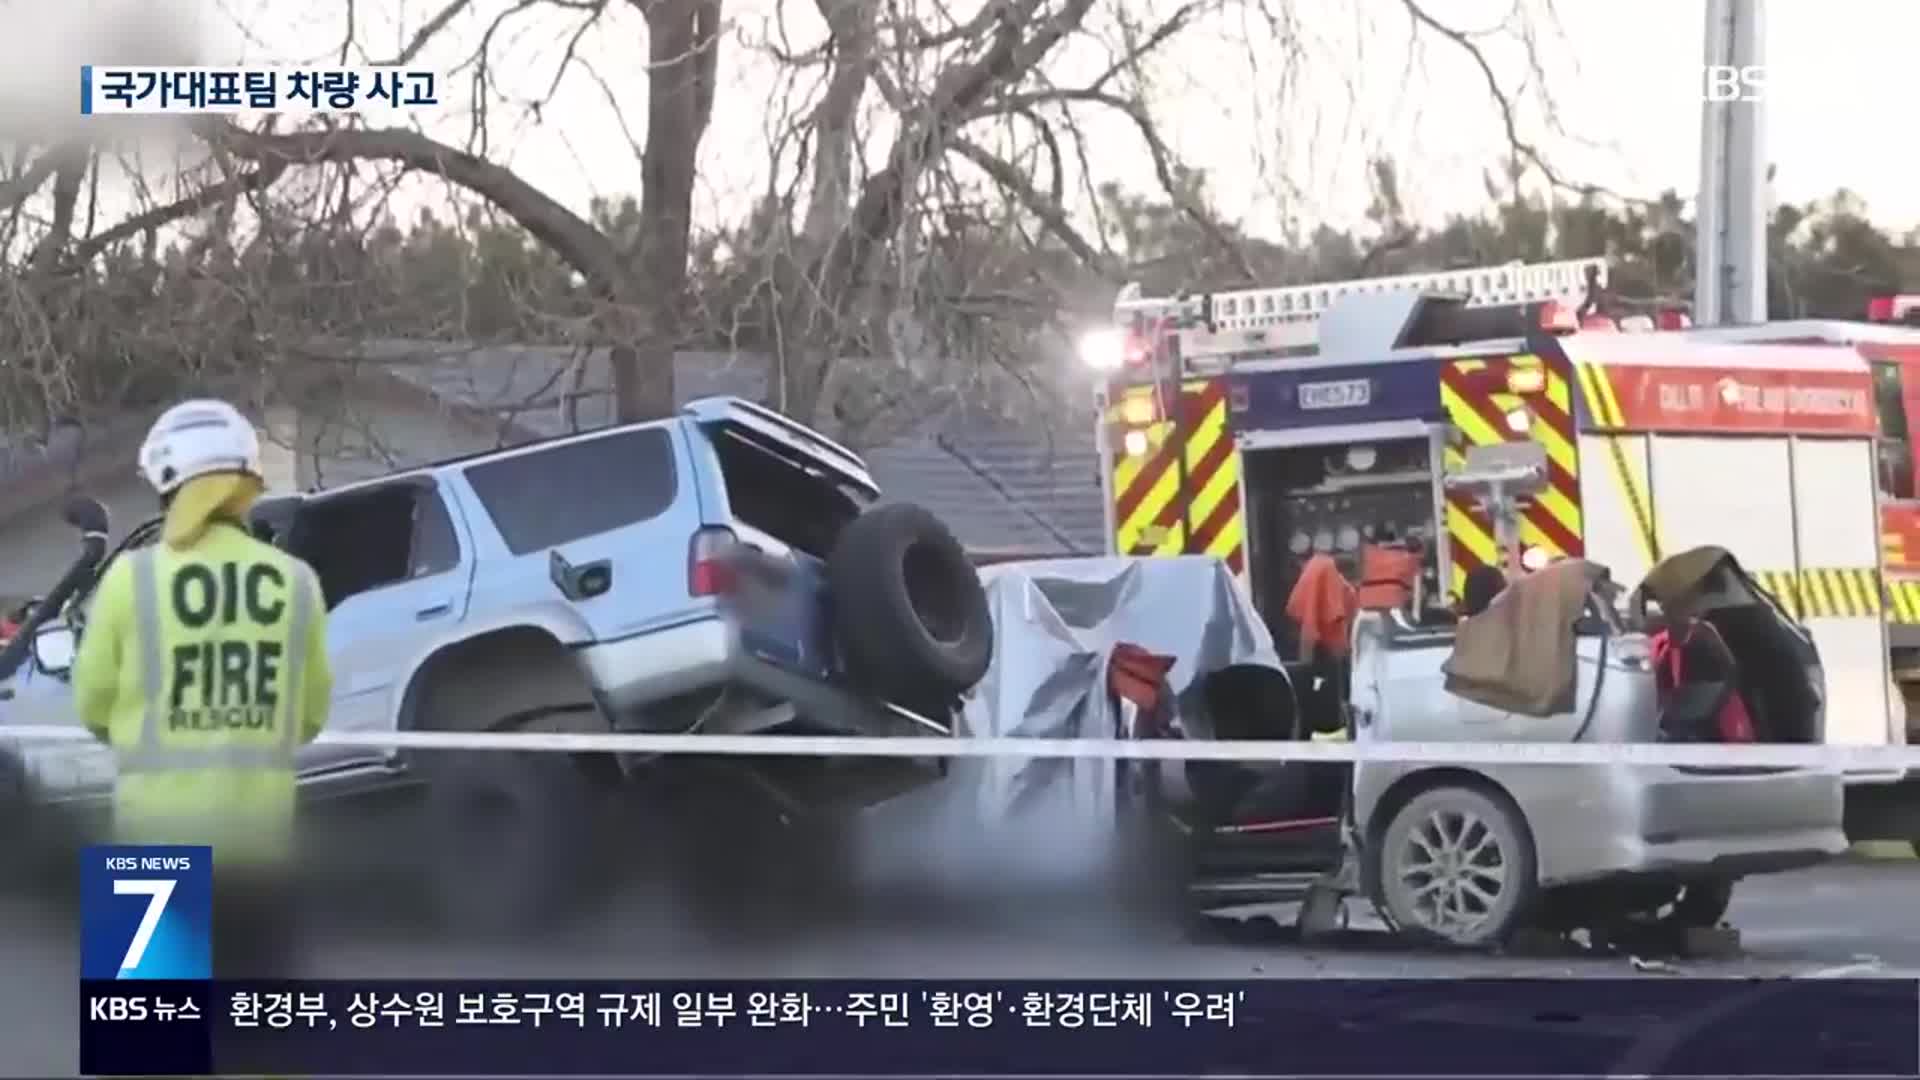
1845, 919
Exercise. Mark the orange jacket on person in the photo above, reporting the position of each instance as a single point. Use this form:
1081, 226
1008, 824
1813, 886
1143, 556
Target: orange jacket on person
1322, 605
1387, 575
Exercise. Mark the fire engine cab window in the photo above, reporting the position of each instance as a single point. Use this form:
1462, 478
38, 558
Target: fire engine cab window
1896, 443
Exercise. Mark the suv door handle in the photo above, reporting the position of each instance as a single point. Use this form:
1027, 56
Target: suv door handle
433, 612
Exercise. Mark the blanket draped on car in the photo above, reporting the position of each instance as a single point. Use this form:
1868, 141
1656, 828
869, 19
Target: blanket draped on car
1518, 655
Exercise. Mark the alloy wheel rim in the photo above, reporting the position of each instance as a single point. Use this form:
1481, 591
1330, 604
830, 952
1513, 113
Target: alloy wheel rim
1453, 872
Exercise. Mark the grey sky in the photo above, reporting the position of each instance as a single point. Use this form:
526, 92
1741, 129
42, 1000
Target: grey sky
1624, 75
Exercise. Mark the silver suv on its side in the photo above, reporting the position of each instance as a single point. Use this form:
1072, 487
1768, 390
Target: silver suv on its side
723, 571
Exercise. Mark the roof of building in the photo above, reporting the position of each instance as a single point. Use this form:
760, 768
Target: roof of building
1001, 485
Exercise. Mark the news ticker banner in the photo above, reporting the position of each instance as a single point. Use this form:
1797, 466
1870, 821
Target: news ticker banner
297, 91
1324, 1027
148, 1007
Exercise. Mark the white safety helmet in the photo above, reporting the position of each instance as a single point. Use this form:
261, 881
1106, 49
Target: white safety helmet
197, 438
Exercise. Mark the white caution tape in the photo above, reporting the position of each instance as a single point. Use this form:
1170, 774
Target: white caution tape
1847, 758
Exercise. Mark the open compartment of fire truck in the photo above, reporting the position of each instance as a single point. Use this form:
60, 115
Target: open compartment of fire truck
1335, 498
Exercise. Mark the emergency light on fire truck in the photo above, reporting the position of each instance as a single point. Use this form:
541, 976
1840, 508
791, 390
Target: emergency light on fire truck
1106, 349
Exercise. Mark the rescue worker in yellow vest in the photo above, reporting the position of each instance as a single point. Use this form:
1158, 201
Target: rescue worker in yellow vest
1388, 569
203, 664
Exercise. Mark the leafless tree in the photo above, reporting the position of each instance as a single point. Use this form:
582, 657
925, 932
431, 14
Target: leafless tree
930, 177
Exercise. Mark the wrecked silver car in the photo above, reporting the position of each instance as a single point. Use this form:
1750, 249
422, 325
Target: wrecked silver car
1450, 854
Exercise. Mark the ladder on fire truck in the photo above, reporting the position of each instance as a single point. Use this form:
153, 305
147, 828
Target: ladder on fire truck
1298, 319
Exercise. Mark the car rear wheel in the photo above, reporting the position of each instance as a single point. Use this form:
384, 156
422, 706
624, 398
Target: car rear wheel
1455, 865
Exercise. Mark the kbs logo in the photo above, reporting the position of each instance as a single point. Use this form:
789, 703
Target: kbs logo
146, 912
1725, 82
117, 1007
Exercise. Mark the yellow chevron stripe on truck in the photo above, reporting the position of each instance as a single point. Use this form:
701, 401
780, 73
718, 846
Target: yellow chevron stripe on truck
1477, 413
1903, 600
1836, 592
1631, 482
1182, 495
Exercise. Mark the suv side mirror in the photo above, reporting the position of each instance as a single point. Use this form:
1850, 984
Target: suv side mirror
53, 649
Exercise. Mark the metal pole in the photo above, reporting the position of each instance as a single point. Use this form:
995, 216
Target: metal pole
1708, 258
1733, 208
1504, 509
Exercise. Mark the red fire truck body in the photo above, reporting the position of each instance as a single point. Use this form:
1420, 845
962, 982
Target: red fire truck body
1263, 425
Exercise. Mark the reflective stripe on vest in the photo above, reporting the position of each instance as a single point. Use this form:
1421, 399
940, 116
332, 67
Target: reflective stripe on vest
150, 755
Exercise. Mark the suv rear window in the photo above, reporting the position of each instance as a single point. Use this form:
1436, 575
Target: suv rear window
561, 493
778, 496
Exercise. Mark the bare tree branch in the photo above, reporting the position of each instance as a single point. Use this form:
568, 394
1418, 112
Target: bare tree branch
1049, 211
427, 32
571, 237
159, 217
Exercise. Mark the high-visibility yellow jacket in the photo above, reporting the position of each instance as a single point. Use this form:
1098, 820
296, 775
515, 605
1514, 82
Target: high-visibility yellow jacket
205, 669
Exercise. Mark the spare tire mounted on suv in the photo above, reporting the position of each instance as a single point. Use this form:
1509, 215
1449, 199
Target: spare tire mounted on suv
909, 609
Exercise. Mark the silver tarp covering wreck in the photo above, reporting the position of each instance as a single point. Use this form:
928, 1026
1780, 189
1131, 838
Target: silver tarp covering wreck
1056, 624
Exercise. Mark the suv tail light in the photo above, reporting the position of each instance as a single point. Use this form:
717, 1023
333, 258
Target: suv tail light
710, 569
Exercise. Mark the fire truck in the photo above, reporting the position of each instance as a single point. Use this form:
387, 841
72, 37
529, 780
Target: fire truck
1264, 425
1889, 341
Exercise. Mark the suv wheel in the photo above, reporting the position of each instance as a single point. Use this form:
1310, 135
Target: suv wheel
16, 808
509, 838
909, 608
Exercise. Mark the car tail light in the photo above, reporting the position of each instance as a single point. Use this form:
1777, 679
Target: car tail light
1880, 309
710, 567
1673, 319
